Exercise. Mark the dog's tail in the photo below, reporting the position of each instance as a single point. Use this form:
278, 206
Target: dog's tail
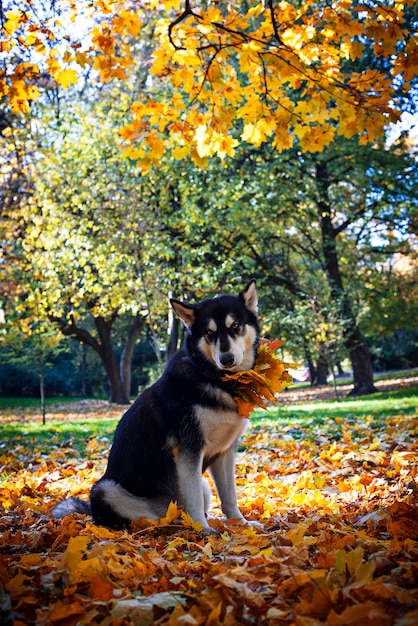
71, 505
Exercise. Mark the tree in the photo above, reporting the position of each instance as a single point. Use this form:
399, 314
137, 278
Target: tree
77, 254
99, 245
354, 341
308, 226
209, 79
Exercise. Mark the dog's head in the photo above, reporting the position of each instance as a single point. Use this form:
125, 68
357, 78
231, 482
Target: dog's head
224, 329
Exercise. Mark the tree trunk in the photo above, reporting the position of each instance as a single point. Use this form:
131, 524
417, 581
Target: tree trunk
309, 360
104, 349
117, 390
117, 393
42, 393
353, 338
127, 354
340, 371
321, 372
83, 370
361, 363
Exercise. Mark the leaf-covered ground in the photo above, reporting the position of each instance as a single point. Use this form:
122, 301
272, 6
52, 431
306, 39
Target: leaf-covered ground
337, 497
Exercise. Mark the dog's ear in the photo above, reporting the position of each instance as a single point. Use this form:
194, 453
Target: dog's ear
184, 311
250, 297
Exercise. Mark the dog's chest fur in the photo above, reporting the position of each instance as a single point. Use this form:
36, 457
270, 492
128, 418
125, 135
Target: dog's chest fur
220, 426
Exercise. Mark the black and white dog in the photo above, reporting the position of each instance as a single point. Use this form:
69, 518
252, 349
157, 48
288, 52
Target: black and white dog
183, 424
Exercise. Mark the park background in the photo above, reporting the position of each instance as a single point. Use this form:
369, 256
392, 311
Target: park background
151, 150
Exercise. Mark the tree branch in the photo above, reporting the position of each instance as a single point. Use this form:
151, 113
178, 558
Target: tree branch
274, 23
187, 11
70, 329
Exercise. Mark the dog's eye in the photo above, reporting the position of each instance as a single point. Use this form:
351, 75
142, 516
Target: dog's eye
235, 326
210, 332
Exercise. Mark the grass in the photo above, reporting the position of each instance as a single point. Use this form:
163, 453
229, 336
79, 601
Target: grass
8, 403
348, 379
59, 430
30, 443
75, 435
401, 401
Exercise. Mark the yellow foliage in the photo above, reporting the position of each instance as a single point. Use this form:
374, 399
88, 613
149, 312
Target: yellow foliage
66, 77
292, 84
127, 21
256, 386
103, 39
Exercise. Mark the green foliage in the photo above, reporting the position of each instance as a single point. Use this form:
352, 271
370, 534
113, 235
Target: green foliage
94, 238
398, 350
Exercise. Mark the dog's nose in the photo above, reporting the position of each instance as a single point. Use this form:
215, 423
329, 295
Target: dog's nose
227, 359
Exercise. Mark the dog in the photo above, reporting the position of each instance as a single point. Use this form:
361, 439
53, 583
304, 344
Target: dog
183, 424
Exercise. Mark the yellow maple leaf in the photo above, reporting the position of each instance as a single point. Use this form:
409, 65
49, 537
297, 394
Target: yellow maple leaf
173, 512
127, 21
172, 4
74, 553
253, 134
187, 520
14, 20
180, 152
224, 145
314, 138
4, 88
65, 78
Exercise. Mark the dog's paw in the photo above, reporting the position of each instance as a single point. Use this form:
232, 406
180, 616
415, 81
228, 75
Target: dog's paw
254, 524
206, 532
241, 521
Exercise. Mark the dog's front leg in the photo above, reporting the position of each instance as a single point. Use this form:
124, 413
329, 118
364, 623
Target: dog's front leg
223, 474
189, 473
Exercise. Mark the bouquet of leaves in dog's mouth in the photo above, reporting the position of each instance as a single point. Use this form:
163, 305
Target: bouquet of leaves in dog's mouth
259, 385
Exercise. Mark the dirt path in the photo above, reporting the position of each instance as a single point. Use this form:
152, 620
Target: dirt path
312, 394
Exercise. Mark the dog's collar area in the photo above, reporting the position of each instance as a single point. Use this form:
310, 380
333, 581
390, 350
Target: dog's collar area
214, 373
218, 376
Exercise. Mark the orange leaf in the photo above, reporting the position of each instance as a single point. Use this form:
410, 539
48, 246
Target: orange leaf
173, 512
101, 589
274, 344
17, 586
403, 520
60, 611
268, 377
364, 613
74, 552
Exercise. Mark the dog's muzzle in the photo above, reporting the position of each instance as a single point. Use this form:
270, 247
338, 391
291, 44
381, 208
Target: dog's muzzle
227, 359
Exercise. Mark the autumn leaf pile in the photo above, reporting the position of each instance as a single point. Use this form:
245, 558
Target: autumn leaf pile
339, 546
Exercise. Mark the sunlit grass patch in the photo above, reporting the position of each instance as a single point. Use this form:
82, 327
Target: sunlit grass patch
35, 403
402, 401
23, 445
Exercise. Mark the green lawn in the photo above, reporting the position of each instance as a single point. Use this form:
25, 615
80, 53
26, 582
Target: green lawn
29, 403
35, 439
403, 400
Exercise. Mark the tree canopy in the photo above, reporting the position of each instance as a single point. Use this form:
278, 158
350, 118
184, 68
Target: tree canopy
218, 74
150, 148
